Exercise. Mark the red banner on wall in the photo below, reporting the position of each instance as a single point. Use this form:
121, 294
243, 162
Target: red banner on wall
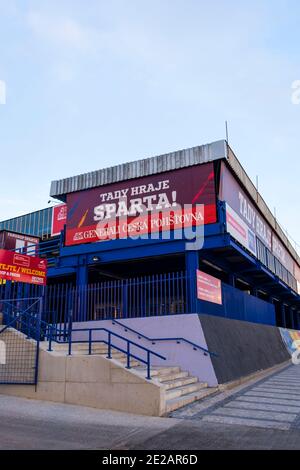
22, 268
209, 288
59, 219
123, 209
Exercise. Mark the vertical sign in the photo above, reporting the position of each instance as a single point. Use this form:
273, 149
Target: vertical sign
59, 219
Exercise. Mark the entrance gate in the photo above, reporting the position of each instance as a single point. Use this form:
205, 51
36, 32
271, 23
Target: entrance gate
20, 334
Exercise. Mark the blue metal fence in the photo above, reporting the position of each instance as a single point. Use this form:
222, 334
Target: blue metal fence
159, 294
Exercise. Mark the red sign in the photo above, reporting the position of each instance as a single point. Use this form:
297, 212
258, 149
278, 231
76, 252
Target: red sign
143, 205
209, 288
59, 219
22, 268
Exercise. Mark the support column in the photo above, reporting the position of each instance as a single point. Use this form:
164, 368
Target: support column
192, 264
293, 320
82, 290
298, 320
231, 279
254, 292
283, 319
82, 275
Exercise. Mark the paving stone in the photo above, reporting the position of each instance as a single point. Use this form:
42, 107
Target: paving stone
263, 406
246, 422
272, 402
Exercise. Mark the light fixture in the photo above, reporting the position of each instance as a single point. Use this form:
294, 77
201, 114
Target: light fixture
96, 259
212, 265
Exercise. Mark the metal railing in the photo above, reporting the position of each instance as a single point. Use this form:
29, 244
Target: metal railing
54, 335
179, 340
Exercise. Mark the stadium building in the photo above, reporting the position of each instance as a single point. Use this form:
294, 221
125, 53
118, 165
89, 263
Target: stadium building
168, 278
105, 263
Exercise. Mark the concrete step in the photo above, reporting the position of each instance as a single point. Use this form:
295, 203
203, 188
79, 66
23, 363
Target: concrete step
133, 363
179, 382
78, 347
83, 352
158, 372
118, 356
185, 390
173, 376
178, 402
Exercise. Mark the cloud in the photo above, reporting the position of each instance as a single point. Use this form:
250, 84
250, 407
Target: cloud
61, 31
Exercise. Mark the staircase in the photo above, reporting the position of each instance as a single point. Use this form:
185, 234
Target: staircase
180, 389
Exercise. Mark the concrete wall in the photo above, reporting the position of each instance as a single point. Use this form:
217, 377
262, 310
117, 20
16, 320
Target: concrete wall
92, 381
243, 348
182, 355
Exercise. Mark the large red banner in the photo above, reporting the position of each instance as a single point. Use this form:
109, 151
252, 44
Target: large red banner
143, 205
22, 268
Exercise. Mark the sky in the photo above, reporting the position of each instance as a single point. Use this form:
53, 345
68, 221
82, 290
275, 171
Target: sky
91, 84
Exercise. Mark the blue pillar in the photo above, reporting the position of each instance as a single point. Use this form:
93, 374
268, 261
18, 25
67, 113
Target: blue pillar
82, 289
82, 274
293, 322
192, 264
254, 291
297, 314
231, 278
283, 319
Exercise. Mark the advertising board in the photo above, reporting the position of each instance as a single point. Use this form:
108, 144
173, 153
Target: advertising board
142, 205
22, 268
59, 219
209, 288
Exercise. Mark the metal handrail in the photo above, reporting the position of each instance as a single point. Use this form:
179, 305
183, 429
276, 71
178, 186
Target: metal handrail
154, 340
110, 333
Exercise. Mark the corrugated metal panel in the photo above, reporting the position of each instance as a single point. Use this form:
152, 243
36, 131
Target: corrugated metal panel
139, 168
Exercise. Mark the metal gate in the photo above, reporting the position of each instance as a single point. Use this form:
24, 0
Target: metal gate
20, 334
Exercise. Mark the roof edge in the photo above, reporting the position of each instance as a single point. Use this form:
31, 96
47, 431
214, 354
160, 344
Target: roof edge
139, 168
